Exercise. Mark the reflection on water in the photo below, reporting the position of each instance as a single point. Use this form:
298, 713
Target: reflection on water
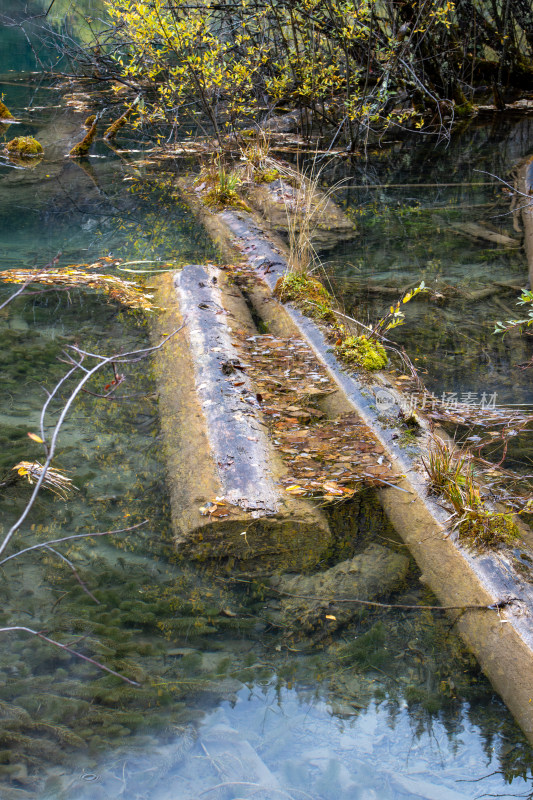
232, 703
273, 743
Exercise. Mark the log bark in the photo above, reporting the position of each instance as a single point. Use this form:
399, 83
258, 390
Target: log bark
222, 469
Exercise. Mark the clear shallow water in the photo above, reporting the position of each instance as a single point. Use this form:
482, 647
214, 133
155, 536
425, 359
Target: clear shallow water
410, 230
230, 705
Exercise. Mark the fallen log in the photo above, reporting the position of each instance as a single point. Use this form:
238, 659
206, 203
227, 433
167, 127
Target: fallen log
282, 205
525, 185
308, 602
222, 469
501, 633
477, 231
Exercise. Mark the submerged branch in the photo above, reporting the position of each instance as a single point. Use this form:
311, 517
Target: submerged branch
69, 538
496, 606
133, 355
69, 650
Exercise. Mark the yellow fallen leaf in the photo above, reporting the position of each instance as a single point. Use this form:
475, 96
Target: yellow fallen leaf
35, 438
330, 616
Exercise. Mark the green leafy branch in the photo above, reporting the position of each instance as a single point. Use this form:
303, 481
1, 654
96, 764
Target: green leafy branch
395, 315
526, 298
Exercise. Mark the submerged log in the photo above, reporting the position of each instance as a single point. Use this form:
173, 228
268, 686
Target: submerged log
284, 206
82, 148
119, 123
308, 601
525, 185
477, 231
222, 469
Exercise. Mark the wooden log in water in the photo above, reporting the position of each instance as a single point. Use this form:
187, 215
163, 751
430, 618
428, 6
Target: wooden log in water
282, 204
497, 623
222, 469
525, 185
476, 231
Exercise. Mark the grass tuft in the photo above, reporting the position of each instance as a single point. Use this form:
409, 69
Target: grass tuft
452, 476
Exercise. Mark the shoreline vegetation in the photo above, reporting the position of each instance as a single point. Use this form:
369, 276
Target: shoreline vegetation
347, 72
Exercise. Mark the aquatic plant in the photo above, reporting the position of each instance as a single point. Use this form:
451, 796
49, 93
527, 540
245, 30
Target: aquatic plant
451, 473
484, 528
24, 147
362, 351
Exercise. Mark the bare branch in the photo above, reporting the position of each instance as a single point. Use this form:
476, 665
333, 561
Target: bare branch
69, 538
103, 361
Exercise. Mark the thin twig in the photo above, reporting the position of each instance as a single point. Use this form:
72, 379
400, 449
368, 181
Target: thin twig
468, 607
69, 538
74, 570
103, 360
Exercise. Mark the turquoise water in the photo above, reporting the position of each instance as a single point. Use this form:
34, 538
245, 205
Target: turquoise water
229, 704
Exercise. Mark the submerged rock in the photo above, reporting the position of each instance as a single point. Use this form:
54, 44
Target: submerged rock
312, 605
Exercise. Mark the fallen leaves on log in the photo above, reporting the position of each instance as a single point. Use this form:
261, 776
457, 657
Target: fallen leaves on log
327, 458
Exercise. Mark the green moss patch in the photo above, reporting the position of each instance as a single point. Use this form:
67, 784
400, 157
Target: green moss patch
364, 352
484, 529
464, 110
266, 175
24, 147
308, 294
83, 147
5, 113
